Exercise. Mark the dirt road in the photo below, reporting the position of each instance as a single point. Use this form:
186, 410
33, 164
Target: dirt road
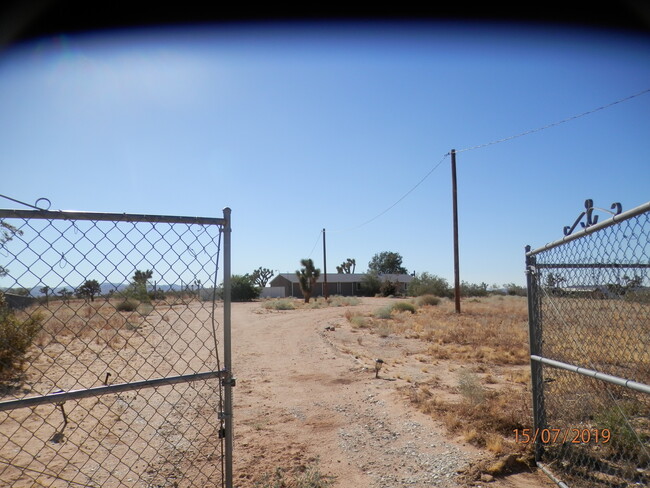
308, 395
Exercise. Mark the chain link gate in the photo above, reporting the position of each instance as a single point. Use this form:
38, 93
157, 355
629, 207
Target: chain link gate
589, 318
112, 372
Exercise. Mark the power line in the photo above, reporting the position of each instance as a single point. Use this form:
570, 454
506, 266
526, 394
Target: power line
568, 119
315, 243
398, 201
498, 141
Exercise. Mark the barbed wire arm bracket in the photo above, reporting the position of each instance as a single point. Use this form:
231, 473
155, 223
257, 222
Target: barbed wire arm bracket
591, 219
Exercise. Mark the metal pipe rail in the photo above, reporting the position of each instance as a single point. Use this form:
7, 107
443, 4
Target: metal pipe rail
111, 217
63, 396
616, 380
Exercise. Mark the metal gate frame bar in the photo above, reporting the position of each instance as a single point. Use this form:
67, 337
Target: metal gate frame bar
535, 323
226, 376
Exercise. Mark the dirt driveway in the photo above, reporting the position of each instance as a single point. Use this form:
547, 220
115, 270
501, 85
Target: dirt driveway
308, 395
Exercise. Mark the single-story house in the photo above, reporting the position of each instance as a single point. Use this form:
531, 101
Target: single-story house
344, 284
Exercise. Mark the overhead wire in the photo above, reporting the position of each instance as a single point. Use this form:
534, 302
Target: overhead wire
479, 146
554, 124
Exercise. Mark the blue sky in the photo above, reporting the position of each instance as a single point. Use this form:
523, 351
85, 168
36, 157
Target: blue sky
300, 127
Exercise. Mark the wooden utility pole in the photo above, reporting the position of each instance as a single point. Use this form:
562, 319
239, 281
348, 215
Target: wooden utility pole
324, 268
455, 205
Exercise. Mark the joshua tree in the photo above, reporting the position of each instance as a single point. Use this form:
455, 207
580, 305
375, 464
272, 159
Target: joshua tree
65, 294
46, 291
89, 289
347, 266
261, 276
307, 276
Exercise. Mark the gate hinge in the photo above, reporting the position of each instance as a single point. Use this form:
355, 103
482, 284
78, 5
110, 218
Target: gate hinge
232, 381
222, 433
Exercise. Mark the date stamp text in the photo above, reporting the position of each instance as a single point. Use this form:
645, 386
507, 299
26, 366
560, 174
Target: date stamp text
553, 436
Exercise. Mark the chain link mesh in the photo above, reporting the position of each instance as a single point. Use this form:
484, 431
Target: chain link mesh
592, 310
92, 303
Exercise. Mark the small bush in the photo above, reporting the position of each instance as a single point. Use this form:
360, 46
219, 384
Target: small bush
127, 306
403, 307
16, 336
339, 301
370, 284
358, 322
428, 284
310, 478
425, 300
470, 388
279, 305
389, 288
383, 312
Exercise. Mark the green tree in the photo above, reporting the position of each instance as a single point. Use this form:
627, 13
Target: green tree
16, 336
370, 284
307, 277
65, 294
347, 267
429, 284
261, 276
387, 263
516, 290
7, 233
242, 288
89, 289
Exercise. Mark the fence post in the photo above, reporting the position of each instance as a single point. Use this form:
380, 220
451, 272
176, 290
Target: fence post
535, 341
228, 380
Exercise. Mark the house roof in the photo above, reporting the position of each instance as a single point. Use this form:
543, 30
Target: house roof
348, 277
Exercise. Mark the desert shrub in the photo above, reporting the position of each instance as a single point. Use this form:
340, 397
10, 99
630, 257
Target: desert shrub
383, 312
279, 305
358, 321
622, 420
427, 300
429, 284
127, 306
339, 301
470, 387
370, 284
157, 295
403, 307
242, 289
516, 290
309, 478
473, 290
389, 288
16, 335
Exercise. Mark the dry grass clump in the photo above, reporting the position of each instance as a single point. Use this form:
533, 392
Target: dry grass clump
98, 321
485, 418
490, 330
310, 477
427, 300
319, 302
281, 304
339, 301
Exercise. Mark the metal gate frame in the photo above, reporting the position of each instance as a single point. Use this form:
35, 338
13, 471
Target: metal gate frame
538, 361
225, 375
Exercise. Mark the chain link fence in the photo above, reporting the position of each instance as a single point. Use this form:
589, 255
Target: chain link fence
110, 358
589, 308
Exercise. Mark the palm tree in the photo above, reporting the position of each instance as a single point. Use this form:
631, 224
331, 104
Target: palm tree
307, 276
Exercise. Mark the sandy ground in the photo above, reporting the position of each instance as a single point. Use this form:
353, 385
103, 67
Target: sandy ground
308, 395
305, 397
